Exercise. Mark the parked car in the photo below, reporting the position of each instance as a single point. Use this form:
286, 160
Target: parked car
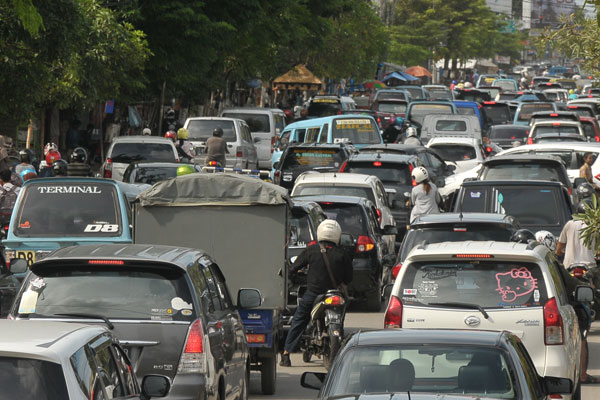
67, 361
169, 307
236, 132
328, 105
127, 149
434, 364
150, 173
537, 205
509, 136
358, 217
492, 286
466, 153
359, 185
266, 124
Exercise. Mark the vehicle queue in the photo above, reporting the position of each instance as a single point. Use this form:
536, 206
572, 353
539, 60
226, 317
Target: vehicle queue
185, 271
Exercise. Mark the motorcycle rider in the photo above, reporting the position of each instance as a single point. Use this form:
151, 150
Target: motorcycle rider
78, 165
60, 168
216, 147
411, 137
319, 282
184, 147
171, 134
425, 198
26, 157
586, 169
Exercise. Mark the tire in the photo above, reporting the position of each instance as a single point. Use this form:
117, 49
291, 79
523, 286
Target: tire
332, 349
306, 356
268, 375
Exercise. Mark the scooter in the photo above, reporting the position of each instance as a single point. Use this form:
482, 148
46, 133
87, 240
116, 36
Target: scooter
583, 273
325, 331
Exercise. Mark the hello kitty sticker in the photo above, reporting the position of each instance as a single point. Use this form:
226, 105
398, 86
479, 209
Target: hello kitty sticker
515, 283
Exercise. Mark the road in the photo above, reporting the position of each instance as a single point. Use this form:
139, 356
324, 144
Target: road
288, 379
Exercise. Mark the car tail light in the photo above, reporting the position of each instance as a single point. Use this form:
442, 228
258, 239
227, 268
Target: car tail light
339, 112
410, 170
578, 272
392, 120
193, 359
276, 177
239, 154
106, 262
334, 300
529, 141
489, 102
553, 323
364, 243
393, 314
554, 115
344, 165
597, 176
377, 163
570, 191
108, 168
556, 123
597, 139
488, 149
473, 256
212, 163
379, 121
396, 270
379, 215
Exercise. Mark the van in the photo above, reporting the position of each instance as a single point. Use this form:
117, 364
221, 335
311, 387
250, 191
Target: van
265, 124
450, 125
464, 107
418, 110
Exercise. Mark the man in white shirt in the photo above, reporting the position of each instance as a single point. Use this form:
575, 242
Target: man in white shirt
571, 245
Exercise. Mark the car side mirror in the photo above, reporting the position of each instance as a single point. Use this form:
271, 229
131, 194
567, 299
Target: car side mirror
553, 385
18, 266
249, 298
584, 294
312, 380
390, 230
155, 386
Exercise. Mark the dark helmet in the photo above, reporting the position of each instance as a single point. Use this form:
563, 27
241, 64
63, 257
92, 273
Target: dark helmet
583, 204
522, 236
585, 190
60, 167
218, 132
79, 155
26, 156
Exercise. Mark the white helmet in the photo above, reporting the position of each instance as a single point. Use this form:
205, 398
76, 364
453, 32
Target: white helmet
50, 147
420, 174
547, 239
329, 231
146, 132
468, 85
411, 131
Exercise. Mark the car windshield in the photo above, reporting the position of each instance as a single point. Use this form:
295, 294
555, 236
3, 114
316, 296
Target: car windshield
497, 113
469, 371
68, 209
418, 112
25, 378
350, 217
324, 107
300, 233
453, 234
396, 108
415, 93
201, 129
151, 175
389, 173
555, 129
298, 158
141, 292
588, 128
521, 171
451, 126
527, 110
130, 152
489, 284
337, 190
356, 130
500, 133
256, 122
455, 152
521, 202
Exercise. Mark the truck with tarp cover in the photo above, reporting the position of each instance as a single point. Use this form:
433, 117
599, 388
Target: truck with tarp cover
243, 223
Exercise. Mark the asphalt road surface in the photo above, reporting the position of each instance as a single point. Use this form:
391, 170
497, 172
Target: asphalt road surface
288, 379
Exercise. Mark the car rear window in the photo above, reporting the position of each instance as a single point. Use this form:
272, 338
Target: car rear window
451, 126
522, 171
554, 129
202, 129
465, 110
143, 292
256, 122
572, 159
151, 175
351, 217
26, 378
497, 113
337, 190
356, 130
415, 93
391, 173
419, 111
489, 284
455, 152
391, 95
300, 233
396, 108
65, 209
313, 158
527, 110
324, 107
130, 152
588, 128
440, 94
583, 112
501, 133
505, 85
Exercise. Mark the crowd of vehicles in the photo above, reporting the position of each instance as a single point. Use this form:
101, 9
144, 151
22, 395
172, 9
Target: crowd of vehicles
150, 258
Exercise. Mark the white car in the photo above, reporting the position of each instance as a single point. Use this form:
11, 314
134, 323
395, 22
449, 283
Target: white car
491, 286
62, 360
465, 152
556, 131
127, 149
359, 185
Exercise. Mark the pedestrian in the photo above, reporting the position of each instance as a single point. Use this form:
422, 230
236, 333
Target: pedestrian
586, 169
425, 198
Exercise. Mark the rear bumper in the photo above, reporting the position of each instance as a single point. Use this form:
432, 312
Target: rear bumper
189, 387
561, 364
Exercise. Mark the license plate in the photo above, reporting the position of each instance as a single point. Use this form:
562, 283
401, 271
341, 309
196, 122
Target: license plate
28, 256
255, 338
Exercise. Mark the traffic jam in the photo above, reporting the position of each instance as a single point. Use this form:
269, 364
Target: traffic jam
202, 262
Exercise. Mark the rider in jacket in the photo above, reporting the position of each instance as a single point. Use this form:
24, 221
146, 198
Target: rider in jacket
319, 282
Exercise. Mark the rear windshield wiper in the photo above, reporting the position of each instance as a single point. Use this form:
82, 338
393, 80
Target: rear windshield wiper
93, 316
463, 305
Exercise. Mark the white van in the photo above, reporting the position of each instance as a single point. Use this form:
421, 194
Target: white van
458, 125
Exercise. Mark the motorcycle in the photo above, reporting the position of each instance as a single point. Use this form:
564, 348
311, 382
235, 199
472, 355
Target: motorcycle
584, 274
325, 331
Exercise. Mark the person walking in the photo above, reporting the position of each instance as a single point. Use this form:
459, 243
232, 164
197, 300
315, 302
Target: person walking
425, 198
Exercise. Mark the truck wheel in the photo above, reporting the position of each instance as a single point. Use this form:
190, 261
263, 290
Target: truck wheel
268, 375
331, 351
306, 356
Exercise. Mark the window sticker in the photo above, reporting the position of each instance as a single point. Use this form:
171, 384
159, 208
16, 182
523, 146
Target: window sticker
25, 225
28, 302
536, 295
410, 292
428, 289
475, 195
177, 303
94, 228
68, 189
515, 283
161, 314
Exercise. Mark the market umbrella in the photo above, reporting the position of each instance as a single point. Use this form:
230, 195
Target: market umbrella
374, 84
417, 70
398, 76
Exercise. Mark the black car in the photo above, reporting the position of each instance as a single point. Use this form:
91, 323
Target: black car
537, 205
508, 136
358, 217
394, 171
473, 95
451, 227
169, 307
150, 173
301, 158
434, 364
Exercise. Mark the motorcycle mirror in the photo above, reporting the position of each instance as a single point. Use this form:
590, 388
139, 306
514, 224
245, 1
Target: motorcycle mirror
584, 294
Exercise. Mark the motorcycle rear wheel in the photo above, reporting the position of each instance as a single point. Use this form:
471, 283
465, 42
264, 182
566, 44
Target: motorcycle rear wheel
331, 350
306, 356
